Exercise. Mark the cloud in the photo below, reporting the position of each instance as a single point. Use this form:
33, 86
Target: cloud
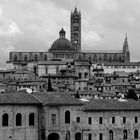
34, 24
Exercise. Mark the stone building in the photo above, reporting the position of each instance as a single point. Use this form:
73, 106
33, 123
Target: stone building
65, 49
57, 115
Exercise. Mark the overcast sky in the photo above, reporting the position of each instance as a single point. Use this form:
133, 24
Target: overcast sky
29, 25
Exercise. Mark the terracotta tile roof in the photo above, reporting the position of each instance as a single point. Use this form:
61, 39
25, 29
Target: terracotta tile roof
56, 99
18, 98
112, 105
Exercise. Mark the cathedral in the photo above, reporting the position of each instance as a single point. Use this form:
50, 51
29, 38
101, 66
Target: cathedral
62, 48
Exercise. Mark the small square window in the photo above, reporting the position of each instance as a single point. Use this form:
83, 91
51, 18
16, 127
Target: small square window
77, 119
136, 119
113, 120
100, 120
124, 119
89, 120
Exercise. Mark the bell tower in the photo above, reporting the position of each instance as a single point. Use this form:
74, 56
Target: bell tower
126, 49
76, 29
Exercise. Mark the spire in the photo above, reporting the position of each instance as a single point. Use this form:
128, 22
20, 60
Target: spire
125, 44
76, 11
62, 33
49, 84
77, 95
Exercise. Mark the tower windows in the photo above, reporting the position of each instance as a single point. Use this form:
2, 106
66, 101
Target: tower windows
75, 41
76, 28
75, 35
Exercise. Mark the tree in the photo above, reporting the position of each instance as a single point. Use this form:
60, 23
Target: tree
77, 95
49, 84
131, 94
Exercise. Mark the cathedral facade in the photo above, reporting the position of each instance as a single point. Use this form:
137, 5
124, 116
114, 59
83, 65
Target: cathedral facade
63, 48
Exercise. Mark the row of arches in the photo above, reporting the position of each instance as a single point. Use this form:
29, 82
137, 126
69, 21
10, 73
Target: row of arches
104, 58
125, 134
78, 135
18, 119
26, 59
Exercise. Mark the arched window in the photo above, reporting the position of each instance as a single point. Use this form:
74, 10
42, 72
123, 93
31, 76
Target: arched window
67, 135
110, 135
31, 119
5, 119
136, 134
35, 57
25, 58
15, 58
45, 57
18, 119
78, 136
125, 134
67, 116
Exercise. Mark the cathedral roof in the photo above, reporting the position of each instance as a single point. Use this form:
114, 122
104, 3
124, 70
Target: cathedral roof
62, 44
103, 51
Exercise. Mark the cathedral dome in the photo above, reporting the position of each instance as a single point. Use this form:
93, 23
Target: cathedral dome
62, 44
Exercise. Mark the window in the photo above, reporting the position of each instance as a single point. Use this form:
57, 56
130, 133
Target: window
18, 119
89, 120
75, 35
100, 136
110, 135
136, 134
15, 58
124, 119
25, 58
80, 75
125, 134
100, 120
113, 120
46, 70
53, 118
5, 119
45, 57
67, 135
86, 74
75, 28
77, 119
90, 136
67, 116
35, 57
136, 119
78, 136
31, 119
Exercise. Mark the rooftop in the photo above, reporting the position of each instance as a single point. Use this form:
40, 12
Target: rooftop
18, 98
112, 105
56, 99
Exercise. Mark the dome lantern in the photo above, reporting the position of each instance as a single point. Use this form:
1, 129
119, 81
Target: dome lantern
62, 33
